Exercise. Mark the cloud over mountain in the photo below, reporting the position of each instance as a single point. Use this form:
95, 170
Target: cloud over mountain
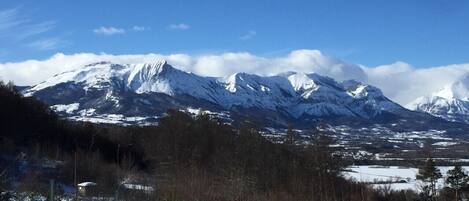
399, 81
404, 83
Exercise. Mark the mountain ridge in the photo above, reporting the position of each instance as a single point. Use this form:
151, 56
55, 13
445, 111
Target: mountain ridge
147, 90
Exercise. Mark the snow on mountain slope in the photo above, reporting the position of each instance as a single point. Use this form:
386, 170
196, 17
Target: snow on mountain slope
247, 90
369, 99
324, 96
93, 75
163, 78
451, 102
148, 89
140, 78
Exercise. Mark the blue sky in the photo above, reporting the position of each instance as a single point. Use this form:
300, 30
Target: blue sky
423, 33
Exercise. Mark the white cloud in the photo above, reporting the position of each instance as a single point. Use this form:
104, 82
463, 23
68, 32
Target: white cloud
138, 28
297, 60
15, 24
10, 19
404, 83
47, 44
36, 29
115, 30
180, 26
33, 71
109, 30
399, 81
251, 34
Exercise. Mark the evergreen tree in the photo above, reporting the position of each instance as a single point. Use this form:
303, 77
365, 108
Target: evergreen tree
429, 174
457, 179
328, 160
291, 136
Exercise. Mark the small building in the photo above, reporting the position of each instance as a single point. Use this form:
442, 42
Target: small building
87, 189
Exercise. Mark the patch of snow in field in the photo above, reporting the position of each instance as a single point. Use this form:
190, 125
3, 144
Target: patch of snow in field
445, 144
398, 178
112, 119
194, 111
87, 112
397, 186
70, 108
138, 187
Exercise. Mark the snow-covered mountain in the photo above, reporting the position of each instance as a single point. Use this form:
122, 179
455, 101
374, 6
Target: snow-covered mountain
112, 92
451, 102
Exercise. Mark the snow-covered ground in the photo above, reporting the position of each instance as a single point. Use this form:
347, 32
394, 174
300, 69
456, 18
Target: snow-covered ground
116, 119
397, 177
70, 108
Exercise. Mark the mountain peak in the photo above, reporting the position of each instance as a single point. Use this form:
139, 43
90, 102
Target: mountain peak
239, 80
157, 63
456, 90
451, 102
146, 71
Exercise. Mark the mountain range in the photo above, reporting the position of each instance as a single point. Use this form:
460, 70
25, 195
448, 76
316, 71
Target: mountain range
450, 103
141, 93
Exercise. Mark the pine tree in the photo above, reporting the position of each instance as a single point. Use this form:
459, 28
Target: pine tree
429, 174
291, 136
457, 179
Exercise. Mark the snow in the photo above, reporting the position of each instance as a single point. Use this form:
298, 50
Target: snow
70, 108
456, 90
380, 173
295, 93
397, 177
93, 75
199, 111
445, 144
112, 119
302, 82
241, 89
398, 186
231, 83
143, 78
264, 88
194, 111
138, 187
85, 184
440, 106
87, 112
450, 103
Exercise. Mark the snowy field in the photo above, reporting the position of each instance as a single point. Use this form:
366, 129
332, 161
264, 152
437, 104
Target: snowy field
396, 177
